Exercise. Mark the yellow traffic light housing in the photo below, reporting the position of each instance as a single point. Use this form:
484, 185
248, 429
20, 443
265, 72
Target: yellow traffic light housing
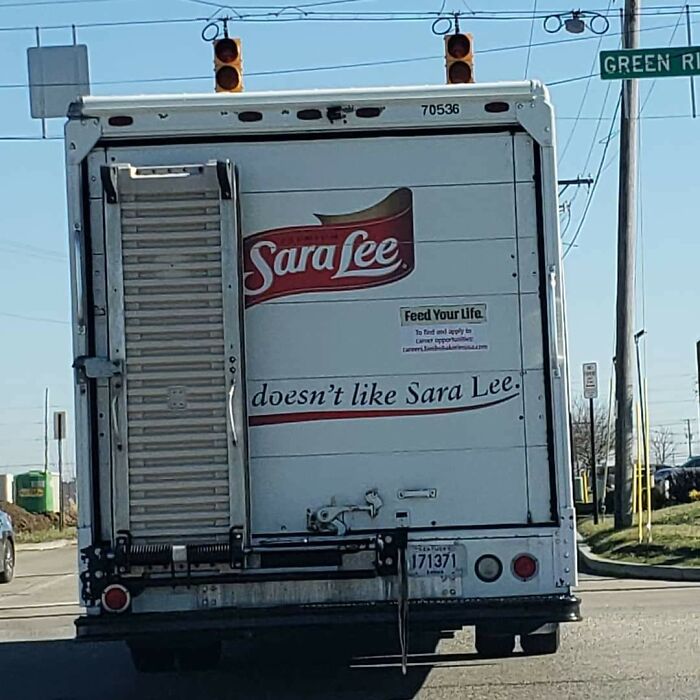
228, 70
459, 58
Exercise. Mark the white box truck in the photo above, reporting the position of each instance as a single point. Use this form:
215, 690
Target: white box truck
320, 364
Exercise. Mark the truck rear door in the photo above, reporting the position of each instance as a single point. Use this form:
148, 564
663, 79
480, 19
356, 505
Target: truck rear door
178, 408
397, 371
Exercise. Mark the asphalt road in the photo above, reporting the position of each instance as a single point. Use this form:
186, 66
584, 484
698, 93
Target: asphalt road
639, 640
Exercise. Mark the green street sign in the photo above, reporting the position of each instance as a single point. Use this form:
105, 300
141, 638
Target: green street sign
650, 63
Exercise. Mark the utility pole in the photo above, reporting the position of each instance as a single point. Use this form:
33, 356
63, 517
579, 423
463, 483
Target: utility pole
627, 206
689, 435
697, 354
46, 435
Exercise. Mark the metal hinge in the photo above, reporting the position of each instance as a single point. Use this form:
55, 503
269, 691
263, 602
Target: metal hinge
96, 367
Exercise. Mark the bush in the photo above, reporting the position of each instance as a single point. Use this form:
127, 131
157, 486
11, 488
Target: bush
681, 484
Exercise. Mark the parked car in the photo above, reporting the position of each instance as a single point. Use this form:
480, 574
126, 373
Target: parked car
7, 548
693, 463
664, 475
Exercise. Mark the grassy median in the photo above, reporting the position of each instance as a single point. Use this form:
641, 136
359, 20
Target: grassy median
50, 535
675, 538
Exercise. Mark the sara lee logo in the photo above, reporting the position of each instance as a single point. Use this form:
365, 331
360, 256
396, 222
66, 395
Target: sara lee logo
366, 248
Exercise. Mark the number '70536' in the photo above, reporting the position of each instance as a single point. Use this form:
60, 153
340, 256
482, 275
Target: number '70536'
440, 109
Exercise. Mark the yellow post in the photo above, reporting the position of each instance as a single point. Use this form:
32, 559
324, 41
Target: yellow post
636, 462
638, 475
584, 485
648, 460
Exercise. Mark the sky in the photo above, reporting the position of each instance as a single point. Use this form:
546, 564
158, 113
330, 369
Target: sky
278, 52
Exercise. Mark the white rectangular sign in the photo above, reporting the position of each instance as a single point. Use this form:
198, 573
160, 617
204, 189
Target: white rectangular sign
59, 425
58, 75
590, 380
443, 328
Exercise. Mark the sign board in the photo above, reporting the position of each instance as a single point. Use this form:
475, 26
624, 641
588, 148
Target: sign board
650, 63
59, 425
590, 380
58, 75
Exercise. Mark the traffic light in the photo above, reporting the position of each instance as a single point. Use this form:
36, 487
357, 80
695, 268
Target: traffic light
459, 58
228, 72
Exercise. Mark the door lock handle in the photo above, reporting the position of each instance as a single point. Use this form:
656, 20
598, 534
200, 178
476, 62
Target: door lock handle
231, 415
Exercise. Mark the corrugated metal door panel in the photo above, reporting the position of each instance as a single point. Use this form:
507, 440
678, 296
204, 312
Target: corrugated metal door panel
179, 472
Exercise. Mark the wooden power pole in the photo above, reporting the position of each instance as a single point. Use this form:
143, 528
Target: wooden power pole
626, 235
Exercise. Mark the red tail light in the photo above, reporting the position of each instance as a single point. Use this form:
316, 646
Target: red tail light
115, 598
524, 566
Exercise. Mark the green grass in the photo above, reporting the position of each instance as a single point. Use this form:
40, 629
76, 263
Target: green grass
50, 535
675, 538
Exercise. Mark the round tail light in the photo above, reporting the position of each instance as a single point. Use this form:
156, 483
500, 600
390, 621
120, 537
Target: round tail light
524, 566
115, 598
488, 568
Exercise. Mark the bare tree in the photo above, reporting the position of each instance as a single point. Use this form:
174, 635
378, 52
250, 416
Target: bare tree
662, 445
581, 433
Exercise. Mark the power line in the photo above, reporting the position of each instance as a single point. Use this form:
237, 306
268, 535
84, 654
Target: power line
29, 408
40, 319
529, 42
280, 8
54, 3
5, 465
576, 79
31, 138
16, 248
647, 117
670, 41
596, 180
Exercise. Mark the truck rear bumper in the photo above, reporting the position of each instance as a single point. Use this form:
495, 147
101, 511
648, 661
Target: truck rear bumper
514, 615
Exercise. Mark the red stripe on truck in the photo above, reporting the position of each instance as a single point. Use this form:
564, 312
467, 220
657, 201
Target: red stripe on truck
306, 416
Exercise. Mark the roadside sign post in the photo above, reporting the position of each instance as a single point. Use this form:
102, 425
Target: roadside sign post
59, 434
590, 392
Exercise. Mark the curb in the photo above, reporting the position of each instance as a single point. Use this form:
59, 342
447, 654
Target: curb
41, 546
590, 563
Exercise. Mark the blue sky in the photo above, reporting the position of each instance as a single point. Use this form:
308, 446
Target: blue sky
33, 260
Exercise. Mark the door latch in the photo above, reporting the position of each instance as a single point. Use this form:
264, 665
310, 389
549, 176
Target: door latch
330, 518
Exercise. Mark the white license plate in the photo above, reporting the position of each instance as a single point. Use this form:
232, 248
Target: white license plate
444, 560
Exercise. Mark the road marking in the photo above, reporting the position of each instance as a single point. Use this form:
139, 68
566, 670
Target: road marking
45, 575
33, 588
32, 606
625, 589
